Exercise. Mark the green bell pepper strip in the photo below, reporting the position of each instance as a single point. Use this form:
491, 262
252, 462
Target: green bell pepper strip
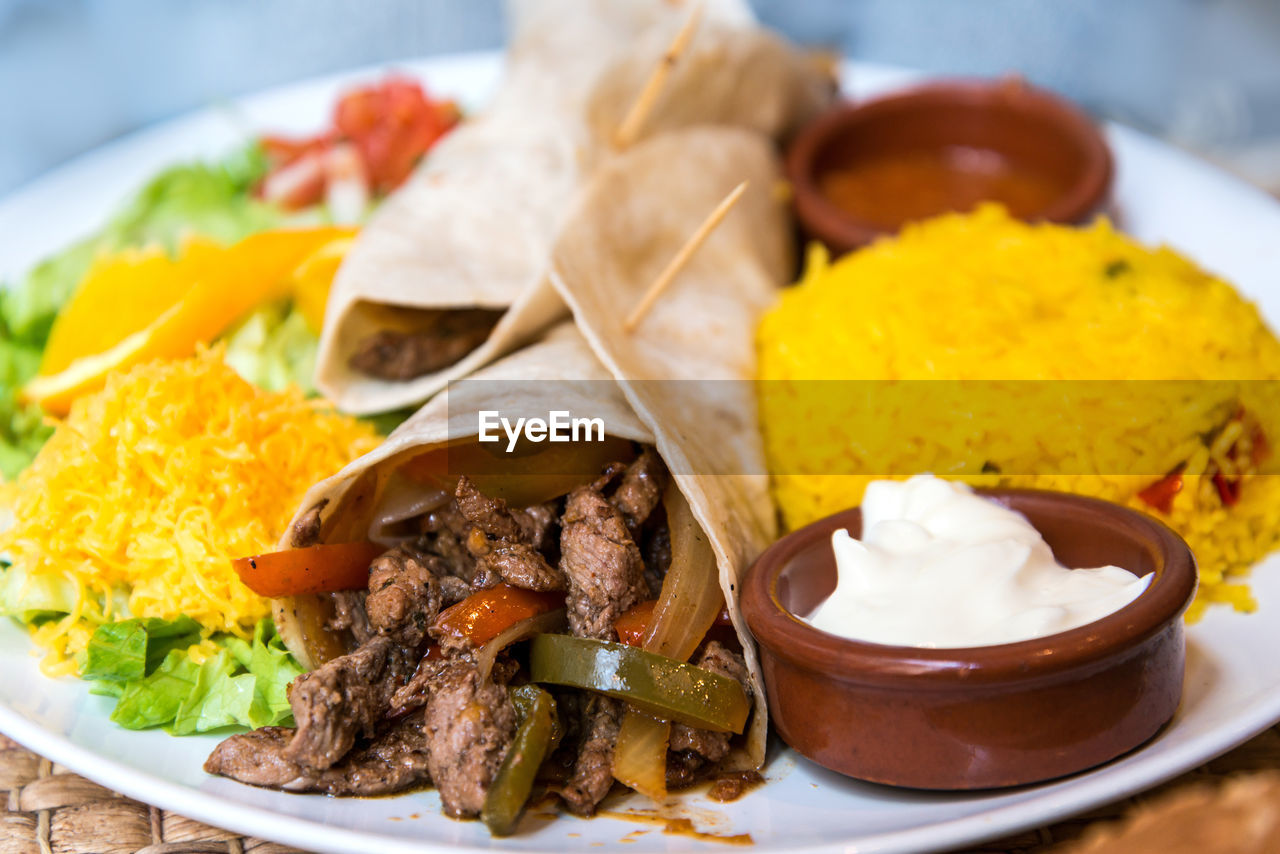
537, 735
662, 687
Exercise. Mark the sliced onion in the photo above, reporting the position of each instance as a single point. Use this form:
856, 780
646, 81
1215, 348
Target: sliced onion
691, 598
303, 624
347, 187
640, 754
551, 621
402, 500
687, 607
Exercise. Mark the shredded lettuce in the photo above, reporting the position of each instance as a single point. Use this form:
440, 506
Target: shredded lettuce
273, 348
34, 596
209, 199
242, 684
29, 306
22, 428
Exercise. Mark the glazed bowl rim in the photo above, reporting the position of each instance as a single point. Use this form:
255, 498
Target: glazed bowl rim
832, 224
785, 635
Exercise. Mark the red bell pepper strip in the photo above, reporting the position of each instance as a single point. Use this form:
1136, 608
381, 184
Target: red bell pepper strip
1160, 494
1228, 489
634, 624
317, 569
482, 616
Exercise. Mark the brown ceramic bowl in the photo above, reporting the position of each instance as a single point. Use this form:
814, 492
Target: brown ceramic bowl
1033, 132
978, 717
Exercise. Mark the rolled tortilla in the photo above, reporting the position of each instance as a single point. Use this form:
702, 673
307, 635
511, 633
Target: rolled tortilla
688, 368
682, 382
559, 372
474, 227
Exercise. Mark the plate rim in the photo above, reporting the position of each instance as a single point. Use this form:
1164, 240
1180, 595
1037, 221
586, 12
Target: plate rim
211, 808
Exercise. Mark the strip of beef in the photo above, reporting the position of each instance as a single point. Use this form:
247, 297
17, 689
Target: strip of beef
519, 565
601, 562
593, 770
606, 577
444, 534
306, 531
641, 489
539, 522
657, 555
500, 522
507, 543
443, 337
344, 699
710, 747
415, 693
393, 762
404, 595
349, 615
469, 724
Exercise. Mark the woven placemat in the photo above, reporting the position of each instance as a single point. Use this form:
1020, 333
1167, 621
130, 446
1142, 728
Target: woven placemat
53, 811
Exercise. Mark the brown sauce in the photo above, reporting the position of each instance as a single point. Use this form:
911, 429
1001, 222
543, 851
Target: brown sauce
893, 188
733, 785
676, 826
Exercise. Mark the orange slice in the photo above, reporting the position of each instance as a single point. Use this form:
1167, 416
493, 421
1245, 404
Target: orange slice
205, 294
312, 279
121, 294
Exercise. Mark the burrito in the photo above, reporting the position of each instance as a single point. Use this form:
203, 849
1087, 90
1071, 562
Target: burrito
615, 553
451, 271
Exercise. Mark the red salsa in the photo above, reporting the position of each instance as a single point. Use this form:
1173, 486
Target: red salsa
891, 188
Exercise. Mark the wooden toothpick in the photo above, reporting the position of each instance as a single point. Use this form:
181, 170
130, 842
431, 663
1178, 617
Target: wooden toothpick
681, 258
629, 130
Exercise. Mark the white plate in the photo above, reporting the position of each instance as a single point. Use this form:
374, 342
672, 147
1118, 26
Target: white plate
1233, 679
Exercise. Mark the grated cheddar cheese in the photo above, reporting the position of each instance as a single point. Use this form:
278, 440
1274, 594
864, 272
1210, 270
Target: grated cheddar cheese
150, 487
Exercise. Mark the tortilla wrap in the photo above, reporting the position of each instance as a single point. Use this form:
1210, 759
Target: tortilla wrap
687, 369
636, 214
474, 227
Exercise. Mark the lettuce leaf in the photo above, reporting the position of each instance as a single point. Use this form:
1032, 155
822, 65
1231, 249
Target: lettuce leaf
28, 307
218, 699
131, 649
274, 667
154, 700
243, 684
210, 199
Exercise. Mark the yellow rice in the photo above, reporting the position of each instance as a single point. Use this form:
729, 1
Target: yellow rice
984, 297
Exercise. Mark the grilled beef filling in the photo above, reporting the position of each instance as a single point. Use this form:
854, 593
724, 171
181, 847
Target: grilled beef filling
442, 338
410, 704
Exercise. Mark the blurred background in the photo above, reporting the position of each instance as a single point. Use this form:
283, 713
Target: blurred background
76, 73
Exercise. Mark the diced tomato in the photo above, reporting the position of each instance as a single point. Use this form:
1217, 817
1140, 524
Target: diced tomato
393, 125
634, 624
390, 124
1260, 448
1228, 489
1160, 494
318, 569
299, 184
281, 151
482, 616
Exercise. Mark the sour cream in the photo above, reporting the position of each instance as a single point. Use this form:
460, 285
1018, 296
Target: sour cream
939, 566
